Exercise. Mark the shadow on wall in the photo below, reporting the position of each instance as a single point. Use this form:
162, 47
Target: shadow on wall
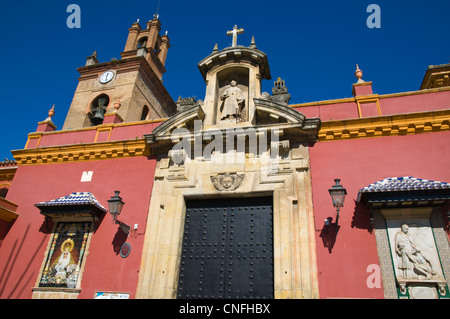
329, 233
361, 218
330, 229
25, 279
119, 239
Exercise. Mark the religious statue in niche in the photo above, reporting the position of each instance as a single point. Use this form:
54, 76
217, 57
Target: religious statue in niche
233, 102
412, 262
65, 256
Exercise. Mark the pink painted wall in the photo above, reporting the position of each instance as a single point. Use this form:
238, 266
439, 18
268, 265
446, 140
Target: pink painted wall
125, 132
388, 106
23, 249
415, 103
342, 264
328, 112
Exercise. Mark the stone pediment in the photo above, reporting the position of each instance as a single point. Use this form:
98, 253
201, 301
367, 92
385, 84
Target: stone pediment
272, 112
233, 54
270, 117
162, 135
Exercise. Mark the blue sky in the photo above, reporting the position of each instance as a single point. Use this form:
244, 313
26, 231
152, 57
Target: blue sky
313, 45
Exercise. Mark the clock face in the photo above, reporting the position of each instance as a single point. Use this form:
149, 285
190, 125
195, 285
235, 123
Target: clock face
106, 77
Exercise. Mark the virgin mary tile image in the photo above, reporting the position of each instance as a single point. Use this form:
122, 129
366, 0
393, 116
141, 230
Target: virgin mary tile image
65, 256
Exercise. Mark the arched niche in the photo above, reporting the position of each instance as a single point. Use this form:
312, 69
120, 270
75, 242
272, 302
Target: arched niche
224, 78
98, 105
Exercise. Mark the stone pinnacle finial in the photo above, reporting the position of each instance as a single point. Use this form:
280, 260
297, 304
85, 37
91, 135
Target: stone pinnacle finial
216, 48
51, 112
253, 43
358, 74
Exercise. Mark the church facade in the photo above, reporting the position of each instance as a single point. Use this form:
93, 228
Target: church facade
229, 196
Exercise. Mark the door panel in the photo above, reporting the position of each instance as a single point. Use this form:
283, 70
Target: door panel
227, 249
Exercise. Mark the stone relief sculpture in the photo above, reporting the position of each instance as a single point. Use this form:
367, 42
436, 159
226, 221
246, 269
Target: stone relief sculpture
233, 101
412, 262
227, 181
422, 265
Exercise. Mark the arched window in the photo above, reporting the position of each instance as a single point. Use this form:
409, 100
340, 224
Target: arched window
98, 109
145, 113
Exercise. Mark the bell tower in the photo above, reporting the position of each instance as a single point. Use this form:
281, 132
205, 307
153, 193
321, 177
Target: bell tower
130, 88
148, 43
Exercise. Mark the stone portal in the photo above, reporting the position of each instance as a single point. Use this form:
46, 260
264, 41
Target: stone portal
219, 156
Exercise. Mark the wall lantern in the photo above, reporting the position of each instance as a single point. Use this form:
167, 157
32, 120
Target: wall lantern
115, 208
337, 193
115, 205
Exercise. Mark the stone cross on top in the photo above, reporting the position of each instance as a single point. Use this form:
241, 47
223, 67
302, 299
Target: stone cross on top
234, 33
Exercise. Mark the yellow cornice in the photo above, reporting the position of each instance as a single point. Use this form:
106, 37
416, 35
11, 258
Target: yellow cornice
401, 124
49, 122
7, 173
114, 114
363, 83
8, 210
7, 215
81, 152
